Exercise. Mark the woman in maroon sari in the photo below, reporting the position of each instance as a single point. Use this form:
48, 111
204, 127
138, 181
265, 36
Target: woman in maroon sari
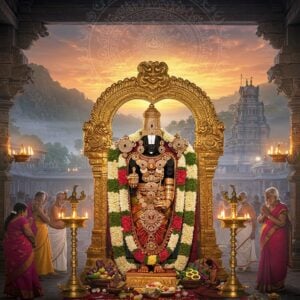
274, 243
21, 278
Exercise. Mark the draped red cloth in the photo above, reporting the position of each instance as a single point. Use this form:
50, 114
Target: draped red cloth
21, 277
274, 255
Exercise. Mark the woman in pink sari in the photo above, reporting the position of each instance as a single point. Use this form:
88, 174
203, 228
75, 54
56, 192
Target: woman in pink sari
21, 278
274, 243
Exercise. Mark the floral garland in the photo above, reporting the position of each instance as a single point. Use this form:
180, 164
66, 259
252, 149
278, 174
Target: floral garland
182, 224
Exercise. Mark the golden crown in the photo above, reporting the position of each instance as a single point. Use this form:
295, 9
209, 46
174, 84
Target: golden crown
152, 121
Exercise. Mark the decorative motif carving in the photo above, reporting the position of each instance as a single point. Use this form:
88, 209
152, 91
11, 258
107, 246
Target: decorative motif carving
286, 83
273, 32
16, 74
97, 137
153, 75
211, 137
30, 31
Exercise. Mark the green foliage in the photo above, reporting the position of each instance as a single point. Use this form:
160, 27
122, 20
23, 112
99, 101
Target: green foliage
76, 161
184, 249
113, 185
189, 218
118, 251
190, 158
114, 219
113, 155
56, 155
190, 185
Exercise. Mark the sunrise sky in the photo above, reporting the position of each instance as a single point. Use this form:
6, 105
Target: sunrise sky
90, 58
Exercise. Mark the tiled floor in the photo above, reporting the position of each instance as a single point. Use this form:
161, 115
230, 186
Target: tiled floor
52, 291
248, 278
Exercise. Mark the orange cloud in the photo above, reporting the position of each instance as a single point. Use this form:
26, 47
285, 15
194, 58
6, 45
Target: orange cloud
91, 58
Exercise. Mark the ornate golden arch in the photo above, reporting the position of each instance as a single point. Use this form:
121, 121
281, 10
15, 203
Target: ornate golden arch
153, 83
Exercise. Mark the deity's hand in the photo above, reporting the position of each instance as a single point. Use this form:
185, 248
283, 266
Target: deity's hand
133, 178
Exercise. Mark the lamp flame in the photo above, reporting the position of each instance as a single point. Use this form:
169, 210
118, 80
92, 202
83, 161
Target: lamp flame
222, 214
247, 216
277, 155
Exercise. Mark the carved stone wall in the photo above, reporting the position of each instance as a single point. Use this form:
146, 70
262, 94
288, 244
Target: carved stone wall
14, 73
153, 84
286, 75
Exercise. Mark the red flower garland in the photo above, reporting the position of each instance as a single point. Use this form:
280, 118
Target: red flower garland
177, 223
126, 223
139, 255
122, 176
180, 176
163, 255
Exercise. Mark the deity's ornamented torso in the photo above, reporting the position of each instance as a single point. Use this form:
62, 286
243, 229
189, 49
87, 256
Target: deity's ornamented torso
151, 179
151, 197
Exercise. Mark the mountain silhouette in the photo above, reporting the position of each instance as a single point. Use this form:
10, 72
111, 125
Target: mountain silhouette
56, 114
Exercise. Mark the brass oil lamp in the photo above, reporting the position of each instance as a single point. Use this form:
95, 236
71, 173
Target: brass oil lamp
22, 155
232, 288
277, 155
74, 288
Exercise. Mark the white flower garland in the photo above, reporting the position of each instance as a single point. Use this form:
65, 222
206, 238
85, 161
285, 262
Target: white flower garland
118, 203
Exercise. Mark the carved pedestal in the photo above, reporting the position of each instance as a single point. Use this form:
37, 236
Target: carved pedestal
138, 281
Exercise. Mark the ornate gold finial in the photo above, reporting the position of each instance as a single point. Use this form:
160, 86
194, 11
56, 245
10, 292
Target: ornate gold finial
152, 121
153, 75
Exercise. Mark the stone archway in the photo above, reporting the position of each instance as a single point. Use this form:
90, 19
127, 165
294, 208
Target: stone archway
154, 84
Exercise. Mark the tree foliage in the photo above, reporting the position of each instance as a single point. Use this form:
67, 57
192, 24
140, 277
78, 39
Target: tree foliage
56, 155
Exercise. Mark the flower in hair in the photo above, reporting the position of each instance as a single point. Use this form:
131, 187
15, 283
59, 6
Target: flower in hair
13, 212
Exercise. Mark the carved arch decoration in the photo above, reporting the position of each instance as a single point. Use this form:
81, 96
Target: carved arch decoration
154, 84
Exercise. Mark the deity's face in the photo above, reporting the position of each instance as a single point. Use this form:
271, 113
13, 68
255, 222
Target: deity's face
151, 144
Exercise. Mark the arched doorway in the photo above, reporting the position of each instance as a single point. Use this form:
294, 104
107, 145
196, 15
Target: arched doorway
153, 84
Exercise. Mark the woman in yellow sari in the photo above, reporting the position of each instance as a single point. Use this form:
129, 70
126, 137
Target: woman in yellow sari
42, 251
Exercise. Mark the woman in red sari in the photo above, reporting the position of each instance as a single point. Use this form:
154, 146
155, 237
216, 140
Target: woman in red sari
274, 243
21, 278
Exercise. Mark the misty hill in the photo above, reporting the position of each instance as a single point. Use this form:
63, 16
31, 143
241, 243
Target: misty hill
46, 100
56, 114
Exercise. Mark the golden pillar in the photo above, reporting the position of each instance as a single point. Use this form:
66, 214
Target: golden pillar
208, 146
98, 139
